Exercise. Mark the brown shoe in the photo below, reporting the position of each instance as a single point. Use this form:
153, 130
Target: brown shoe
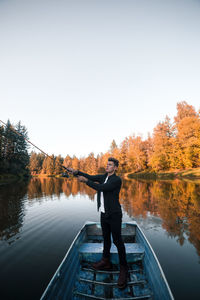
123, 275
103, 264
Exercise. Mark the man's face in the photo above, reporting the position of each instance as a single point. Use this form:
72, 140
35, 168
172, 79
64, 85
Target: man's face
110, 167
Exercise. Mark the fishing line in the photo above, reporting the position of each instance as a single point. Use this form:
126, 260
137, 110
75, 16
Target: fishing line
11, 128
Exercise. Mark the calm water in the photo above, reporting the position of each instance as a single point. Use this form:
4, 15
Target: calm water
39, 220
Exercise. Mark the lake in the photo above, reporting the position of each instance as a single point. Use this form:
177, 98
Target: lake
40, 218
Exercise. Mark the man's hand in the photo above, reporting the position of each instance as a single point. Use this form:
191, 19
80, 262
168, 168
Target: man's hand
72, 171
82, 179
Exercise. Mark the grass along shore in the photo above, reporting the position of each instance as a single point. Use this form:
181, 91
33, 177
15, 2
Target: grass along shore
165, 175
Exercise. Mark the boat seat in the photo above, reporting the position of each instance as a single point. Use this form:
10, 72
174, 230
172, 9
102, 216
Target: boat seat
92, 252
95, 230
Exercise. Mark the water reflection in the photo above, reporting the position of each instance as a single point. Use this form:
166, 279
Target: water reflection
12, 210
176, 202
41, 187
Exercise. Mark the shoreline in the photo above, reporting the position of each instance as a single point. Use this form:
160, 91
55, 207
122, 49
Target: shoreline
10, 178
188, 174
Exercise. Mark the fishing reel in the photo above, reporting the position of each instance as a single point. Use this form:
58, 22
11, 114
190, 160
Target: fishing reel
65, 175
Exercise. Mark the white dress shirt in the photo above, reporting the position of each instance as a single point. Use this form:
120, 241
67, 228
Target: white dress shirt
102, 208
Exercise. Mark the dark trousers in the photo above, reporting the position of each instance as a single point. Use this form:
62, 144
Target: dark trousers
112, 225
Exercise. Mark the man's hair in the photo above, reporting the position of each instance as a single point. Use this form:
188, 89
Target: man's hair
116, 162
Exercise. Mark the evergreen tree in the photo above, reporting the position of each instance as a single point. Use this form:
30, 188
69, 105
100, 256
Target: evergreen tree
14, 149
9, 143
1, 141
21, 146
1, 148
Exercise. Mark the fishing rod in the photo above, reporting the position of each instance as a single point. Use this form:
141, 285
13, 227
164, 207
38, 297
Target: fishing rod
11, 128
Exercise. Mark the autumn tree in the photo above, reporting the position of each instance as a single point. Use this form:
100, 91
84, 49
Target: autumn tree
82, 163
91, 164
100, 165
113, 147
187, 125
123, 156
75, 163
50, 165
184, 110
162, 145
171, 146
67, 161
148, 146
136, 154
58, 165
34, 165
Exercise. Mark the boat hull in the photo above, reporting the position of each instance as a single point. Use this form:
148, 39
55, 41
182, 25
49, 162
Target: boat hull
75, 279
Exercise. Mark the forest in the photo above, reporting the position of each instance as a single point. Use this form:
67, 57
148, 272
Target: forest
173, 145
14, 156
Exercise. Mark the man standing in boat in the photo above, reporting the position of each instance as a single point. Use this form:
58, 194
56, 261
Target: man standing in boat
108, 188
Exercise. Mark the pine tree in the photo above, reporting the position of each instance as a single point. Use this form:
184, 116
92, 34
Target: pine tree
1, 148
14, 151
1, 141
21, 146
9, 143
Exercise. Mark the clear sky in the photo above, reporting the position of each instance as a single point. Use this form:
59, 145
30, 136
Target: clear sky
79, 74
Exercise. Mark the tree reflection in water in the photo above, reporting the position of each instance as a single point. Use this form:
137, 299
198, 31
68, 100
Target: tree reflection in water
12, 210
176, 202
41, 187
